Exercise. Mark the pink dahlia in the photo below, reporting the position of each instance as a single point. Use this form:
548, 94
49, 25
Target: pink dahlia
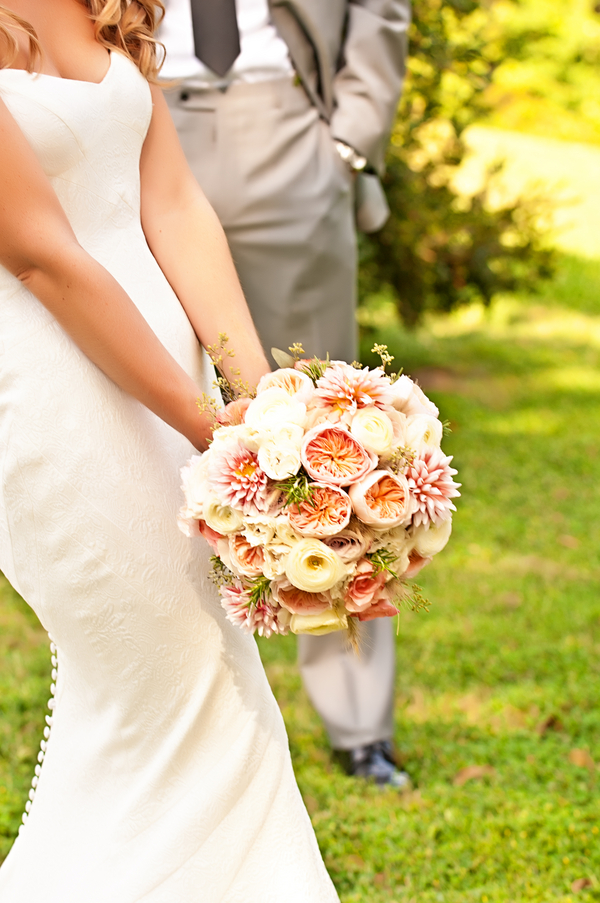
238, 480
264, 618
431, 487
332, 455
345, 389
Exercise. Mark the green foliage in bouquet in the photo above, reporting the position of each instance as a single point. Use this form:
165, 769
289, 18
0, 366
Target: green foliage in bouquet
440, 249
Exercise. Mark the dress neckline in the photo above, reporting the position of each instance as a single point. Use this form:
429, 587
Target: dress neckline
61, 78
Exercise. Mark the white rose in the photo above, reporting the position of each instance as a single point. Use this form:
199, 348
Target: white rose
277, 549
274, 408
422, 433
373, 429
317, 625
279, 453
221, 518
431, 539
195, 484
409, 398
258, 530
274, 565
234, 435
313, 567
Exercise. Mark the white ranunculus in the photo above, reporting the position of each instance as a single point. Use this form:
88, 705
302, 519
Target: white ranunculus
373, 429
317, 625
195, 484
431, 539
273, 409
222, 518
313, 566
409, 398
279, 452
423, 433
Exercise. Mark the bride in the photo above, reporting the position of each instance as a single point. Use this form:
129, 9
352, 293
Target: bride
166, 777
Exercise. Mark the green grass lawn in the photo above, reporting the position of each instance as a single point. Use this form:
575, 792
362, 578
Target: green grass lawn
502, 676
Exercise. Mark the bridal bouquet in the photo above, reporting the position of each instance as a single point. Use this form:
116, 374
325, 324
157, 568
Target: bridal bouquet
320, 496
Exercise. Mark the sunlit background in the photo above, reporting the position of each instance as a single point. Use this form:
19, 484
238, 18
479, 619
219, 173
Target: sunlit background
485, 285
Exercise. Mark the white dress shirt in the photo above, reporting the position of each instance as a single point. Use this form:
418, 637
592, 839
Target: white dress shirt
264, 55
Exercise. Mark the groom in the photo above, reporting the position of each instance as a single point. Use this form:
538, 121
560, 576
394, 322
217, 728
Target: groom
284, 109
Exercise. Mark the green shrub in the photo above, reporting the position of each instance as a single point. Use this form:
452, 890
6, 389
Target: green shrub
440, 249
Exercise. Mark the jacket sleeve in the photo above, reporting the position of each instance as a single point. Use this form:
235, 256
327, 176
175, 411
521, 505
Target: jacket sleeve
368, 84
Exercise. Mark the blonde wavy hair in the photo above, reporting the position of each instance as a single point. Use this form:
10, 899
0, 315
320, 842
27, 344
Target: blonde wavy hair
124, 25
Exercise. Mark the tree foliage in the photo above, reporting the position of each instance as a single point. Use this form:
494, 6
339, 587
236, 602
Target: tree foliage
440, 249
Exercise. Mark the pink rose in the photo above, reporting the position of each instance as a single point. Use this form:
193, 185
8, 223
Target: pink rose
210, 535
247, 559
381, 608
332, 455
417, 563
326, 512
298, 601
233, 413
364, 587
382, 499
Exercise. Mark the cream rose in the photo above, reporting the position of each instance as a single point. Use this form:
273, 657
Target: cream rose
409, 398
296, 384
423, 433
313, 567
317, 625
431, 539
274, 408
373, 429
221, 518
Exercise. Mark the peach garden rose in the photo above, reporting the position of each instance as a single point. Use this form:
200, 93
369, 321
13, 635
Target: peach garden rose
382, 499
325, 513
331, 454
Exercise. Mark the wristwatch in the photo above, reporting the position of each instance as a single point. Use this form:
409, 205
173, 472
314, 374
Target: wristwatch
355, 161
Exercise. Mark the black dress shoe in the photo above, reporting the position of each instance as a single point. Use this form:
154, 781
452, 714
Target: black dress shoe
374, 762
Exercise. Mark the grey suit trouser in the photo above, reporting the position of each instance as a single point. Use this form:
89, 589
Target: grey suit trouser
267, 164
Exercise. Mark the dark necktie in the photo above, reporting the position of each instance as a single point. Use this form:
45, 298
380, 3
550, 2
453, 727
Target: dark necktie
216, 34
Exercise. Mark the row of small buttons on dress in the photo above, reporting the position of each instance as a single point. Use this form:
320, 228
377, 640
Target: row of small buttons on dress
44, 742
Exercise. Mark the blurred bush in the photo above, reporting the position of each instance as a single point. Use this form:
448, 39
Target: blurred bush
440, 248
548, 82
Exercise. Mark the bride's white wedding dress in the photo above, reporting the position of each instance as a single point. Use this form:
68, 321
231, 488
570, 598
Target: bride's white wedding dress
167, 777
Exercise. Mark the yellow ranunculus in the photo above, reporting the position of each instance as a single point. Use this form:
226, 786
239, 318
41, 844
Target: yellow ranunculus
313, 566
316, 625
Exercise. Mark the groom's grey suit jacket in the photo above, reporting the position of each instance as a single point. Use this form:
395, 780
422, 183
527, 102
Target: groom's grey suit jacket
350, 56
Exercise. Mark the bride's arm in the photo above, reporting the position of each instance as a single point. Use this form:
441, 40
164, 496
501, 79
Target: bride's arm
39, 247
189, 244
